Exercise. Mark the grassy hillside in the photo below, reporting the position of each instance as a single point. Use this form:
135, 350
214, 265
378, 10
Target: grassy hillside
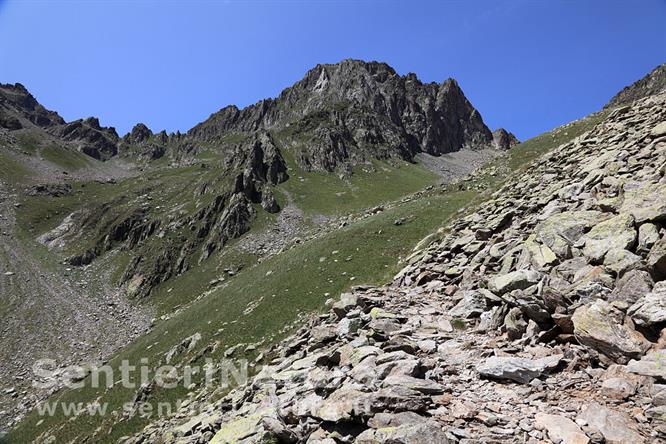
259, 304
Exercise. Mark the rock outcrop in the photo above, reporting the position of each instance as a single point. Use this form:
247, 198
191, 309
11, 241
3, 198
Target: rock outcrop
503, 140
539, 317
90, 138
19, 109
651, 84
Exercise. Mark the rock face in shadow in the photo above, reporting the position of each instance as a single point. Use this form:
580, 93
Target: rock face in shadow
20, 110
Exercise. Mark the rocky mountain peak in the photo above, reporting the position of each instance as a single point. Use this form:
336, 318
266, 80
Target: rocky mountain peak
503, 139
651, 84
18, 109
354, 110
140, 133
90, 138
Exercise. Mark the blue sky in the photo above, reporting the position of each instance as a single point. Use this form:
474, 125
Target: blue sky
527, 65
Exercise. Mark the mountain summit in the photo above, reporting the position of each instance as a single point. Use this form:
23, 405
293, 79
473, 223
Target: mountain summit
338, 114
355, 109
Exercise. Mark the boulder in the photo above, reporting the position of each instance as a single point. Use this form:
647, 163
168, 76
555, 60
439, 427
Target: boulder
648, 235
521, 370
424, 386
621, 261
397, 398
651, 308
632, 286
343, 404
516, 280
470, 306
646, 203
348, 326
652, 364
492, 319
322, 334
601, 326
350, 355
618, 388
242, 428
537, 254
560, 429
347, 302
560, 231
616, 233
658, 130
656, 260
514, 324
428, 431
382, 420
616, 427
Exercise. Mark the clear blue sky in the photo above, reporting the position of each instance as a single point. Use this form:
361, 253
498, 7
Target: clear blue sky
527, 65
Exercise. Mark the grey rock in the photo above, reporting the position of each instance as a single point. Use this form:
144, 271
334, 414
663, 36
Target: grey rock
347, 302
470, 306
601, 326
648, 235
622, 261
348, 326
616, 233
652, 364
650, 309
420, 385
561, 231
616, 427
521, 370
516, 280
646, 203
514, 324
383, 420
619, 388
426, 432
632, 286
656, 260
560, 429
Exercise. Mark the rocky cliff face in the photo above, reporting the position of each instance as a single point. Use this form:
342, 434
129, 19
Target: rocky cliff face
355, 110
653, 83
502, 139
90, 138
538, 317
18, 109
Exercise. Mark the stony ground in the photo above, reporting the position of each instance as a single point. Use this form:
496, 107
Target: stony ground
539, 318
60, 316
